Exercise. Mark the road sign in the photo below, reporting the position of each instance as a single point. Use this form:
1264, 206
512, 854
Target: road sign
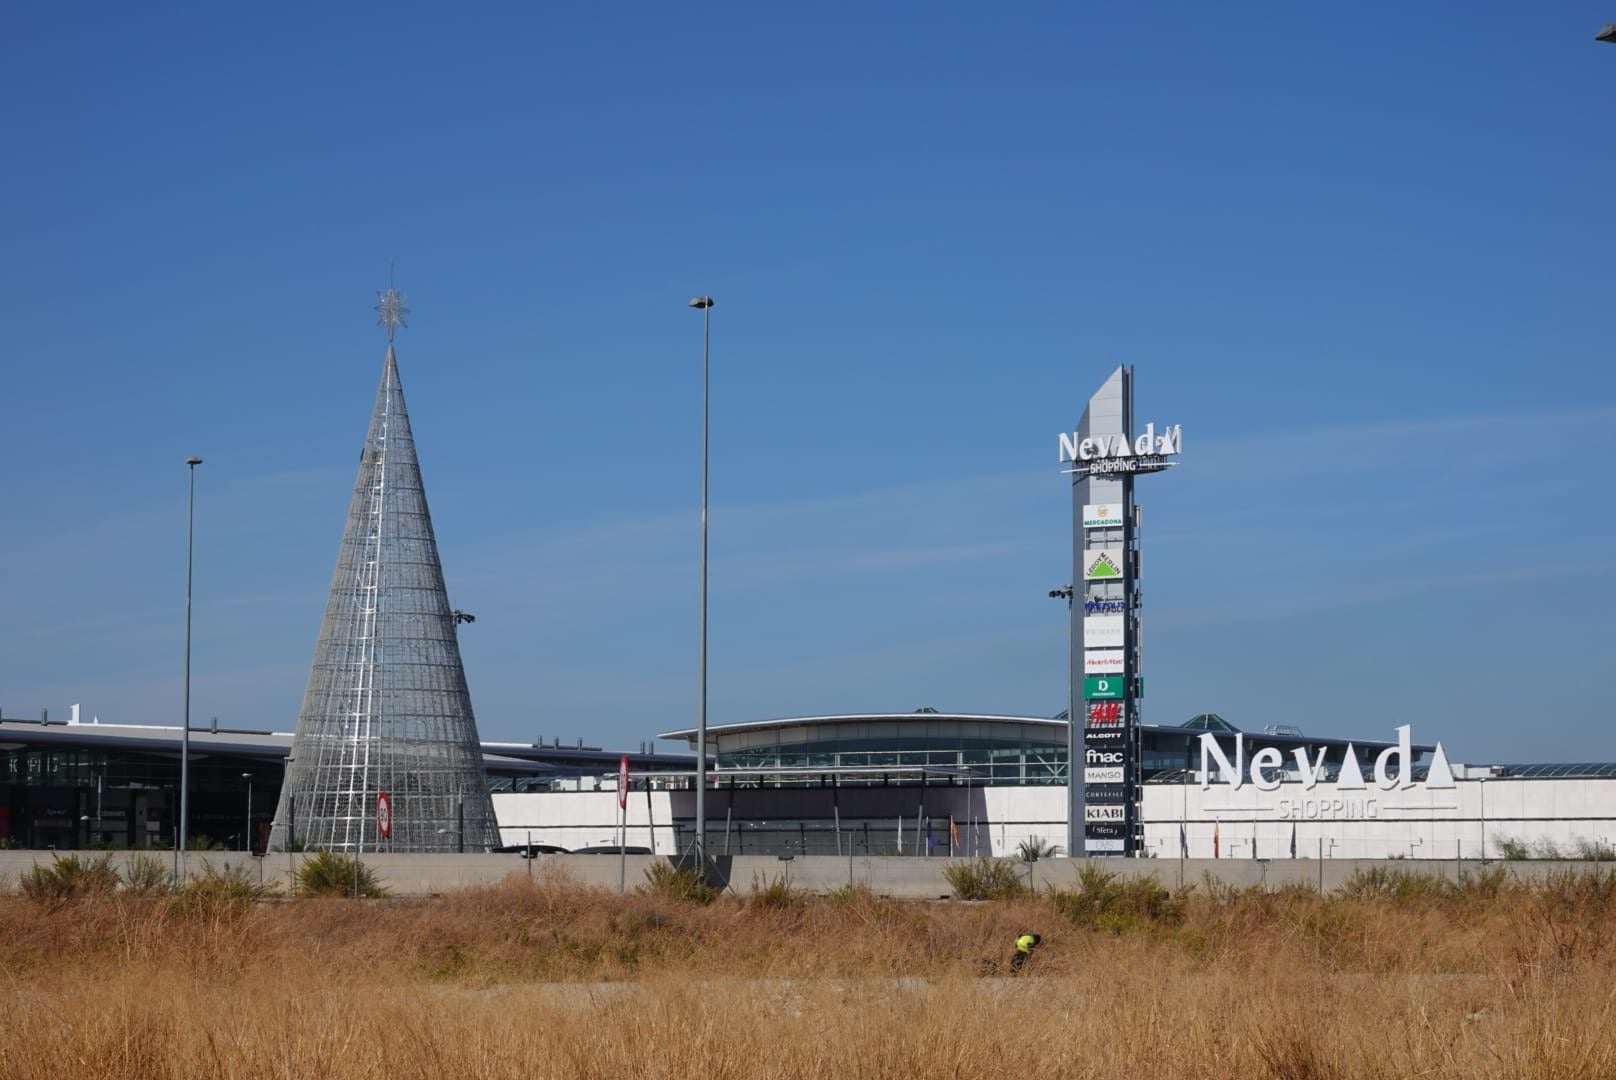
1104, 688
622, 783
384, 815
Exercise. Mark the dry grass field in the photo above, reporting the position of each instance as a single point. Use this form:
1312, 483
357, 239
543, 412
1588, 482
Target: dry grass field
1394, 977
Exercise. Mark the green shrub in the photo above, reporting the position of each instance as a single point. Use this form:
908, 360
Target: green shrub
146, 875
1036, 847
853, 894
1510, 848
984, 879
1385, 883
69, 878
682, 883
225, 892
1484, 884
1594, 851
776, 893
330, 873
1105, 901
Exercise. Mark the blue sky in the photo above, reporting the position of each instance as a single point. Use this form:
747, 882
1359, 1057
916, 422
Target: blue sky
1364, 255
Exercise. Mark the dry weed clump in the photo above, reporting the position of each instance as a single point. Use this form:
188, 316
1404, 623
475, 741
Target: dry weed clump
1503, 978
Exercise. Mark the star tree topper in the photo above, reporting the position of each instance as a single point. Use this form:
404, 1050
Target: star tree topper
390, 311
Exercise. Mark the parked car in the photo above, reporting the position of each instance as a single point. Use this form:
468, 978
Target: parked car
530, 851
612, 849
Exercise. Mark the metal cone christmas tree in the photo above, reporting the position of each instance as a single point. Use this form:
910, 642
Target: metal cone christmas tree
387, 710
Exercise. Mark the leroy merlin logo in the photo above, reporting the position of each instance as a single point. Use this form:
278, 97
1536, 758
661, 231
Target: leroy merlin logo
1103, 565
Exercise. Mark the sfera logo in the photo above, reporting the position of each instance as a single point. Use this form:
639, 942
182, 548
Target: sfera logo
1267, 765
1092, 756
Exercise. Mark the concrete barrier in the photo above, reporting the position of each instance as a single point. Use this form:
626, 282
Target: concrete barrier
903, 877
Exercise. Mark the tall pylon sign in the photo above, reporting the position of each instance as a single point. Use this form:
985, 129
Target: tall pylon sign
386, 755
1103, 456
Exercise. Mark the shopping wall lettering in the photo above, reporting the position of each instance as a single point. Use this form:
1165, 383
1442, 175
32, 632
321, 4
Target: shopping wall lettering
1266, 770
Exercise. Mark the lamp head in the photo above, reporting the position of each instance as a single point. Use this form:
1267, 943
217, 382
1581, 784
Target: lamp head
702, 302
193, 461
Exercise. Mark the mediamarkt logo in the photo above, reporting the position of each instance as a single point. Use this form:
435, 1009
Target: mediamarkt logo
1099, 454
1270, 760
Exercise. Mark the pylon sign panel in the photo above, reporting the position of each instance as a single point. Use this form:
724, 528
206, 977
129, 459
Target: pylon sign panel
1104, 455
1104, 688
1103, 564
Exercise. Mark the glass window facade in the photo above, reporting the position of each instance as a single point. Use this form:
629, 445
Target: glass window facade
963, 751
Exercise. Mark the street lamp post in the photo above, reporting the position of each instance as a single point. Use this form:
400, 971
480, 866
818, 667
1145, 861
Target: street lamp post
185, 732
248, 846
705, 303
1074, 741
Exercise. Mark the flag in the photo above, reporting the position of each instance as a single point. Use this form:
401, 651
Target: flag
953, 834
1214, 839
1183, 842
900, 836
931, 841
1293, 839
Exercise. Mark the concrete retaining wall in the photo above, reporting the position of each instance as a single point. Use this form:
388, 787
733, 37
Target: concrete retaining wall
907, 878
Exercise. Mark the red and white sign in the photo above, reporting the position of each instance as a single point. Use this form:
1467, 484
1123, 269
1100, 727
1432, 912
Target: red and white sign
1105, 712
622, 783
1103, 661
384, 815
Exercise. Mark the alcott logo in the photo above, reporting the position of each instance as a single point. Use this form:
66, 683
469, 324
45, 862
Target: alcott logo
1267, 766
1101, 447
1102, 563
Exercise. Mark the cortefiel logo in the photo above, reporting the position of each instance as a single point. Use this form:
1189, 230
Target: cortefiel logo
1102, 757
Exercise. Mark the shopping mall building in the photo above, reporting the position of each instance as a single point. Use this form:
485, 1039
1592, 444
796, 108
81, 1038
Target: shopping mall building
1095, 779
919, 784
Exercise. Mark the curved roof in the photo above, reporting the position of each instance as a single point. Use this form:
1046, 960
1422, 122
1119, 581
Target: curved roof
928, 715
